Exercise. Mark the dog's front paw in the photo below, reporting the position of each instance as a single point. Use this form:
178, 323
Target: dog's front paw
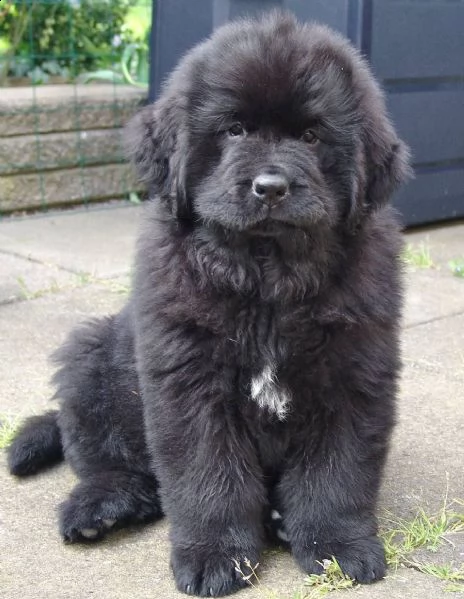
208, 573
360, 559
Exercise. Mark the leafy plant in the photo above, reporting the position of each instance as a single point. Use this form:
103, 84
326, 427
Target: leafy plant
418, 255
447, 572
319, 585
45, 38
402, 537
132, 69
331, 579
8, 429
15, 20
457, 267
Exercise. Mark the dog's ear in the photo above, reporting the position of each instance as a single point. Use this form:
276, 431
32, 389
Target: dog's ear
386, 162
383, 160
156, 142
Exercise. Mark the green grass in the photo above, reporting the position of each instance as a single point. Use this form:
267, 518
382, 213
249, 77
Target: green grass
8, 428
249, 574
134, 198
417, 255
454, 588
402, 537
457, 267
316, 586
81, 279
448, 573
331, 579
84, 278
28, 294
115, 286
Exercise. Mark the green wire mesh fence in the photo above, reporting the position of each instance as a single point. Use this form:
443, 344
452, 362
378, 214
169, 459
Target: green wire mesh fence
72, 72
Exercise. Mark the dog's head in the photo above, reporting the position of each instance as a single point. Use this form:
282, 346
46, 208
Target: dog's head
270, 122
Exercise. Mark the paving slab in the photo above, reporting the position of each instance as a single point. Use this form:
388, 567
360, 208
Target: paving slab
22, 279
434, 292
431, 294
30, 331
99, 241
436, 347
444, 243
427, 453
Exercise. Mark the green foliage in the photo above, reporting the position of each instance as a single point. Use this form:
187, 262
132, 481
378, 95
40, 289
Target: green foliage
8, 429
402, 537
331, 579
457, 267
454, 574
417, 256
44, 38
133, 68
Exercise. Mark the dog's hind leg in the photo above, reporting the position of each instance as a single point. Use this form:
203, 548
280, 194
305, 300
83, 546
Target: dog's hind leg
102, 431
108, 500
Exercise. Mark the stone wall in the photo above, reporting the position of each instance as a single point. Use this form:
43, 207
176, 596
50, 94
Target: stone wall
62, 144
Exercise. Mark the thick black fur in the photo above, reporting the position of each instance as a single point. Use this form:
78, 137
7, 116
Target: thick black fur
37, 445
156, 402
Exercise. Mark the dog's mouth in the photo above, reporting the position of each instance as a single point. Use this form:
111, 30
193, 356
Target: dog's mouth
270, 227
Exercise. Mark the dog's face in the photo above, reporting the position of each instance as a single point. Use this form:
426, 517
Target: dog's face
270, 124
263, 148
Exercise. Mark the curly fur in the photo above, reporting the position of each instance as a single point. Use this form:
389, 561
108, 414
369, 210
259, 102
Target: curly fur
255, 366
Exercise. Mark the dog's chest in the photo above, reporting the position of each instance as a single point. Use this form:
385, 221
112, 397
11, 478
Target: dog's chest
269, 393
265, 354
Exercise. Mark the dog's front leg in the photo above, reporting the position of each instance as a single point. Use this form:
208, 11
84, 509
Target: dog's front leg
329, 489
208, 470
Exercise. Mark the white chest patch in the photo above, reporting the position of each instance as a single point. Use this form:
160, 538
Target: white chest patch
267, 393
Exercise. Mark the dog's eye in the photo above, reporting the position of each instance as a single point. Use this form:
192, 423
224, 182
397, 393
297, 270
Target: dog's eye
310, 137
236, 130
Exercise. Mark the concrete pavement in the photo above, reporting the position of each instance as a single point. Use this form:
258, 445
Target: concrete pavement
58, 269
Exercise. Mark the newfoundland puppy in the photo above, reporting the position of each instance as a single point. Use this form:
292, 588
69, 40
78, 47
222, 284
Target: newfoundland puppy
252, 375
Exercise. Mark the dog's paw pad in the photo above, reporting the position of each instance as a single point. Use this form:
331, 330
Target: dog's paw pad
86, 521
89, 533
109, 522
283, 536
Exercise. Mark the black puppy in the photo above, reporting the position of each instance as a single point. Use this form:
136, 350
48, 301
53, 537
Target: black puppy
255, 365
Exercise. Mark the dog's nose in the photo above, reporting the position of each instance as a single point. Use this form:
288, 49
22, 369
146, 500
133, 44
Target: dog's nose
270, 188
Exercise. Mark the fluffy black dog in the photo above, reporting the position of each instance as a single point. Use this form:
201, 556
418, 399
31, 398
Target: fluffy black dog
255, 366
